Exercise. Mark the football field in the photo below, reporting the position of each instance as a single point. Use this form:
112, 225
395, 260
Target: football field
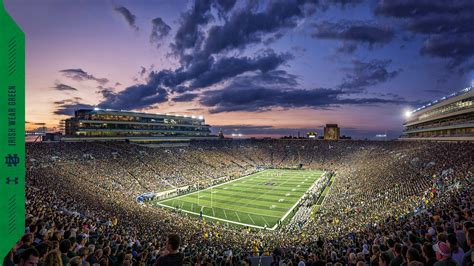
258, 200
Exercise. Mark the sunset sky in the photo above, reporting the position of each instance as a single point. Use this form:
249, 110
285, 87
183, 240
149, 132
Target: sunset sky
252, 67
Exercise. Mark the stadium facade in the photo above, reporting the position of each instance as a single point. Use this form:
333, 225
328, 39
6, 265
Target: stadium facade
114, 124
450, 118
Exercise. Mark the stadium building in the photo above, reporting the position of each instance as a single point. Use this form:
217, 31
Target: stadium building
450, 118
114, 124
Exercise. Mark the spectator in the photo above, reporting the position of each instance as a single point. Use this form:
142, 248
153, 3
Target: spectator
443, 255
29, 257
53, 258
64, 248
429, 254
170, 255
398, 259
468, 258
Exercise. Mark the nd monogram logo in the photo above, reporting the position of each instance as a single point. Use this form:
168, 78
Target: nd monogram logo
12, 160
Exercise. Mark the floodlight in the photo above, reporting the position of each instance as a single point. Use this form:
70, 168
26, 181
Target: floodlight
407, 114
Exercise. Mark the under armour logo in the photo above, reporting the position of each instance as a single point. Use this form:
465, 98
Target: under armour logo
12, 180
12, 160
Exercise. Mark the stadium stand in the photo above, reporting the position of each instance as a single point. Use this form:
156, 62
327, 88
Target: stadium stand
390, 203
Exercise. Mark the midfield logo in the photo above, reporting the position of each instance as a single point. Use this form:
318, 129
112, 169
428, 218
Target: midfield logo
12, 160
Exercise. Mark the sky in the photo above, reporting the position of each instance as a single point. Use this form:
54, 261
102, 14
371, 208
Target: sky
260, 68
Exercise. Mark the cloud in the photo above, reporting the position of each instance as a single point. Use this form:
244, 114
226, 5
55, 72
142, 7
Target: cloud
245, 27
203, 48
224, 6
355, 32
63, 87
208, 72
136, 97
35, 123
233, 66
234, 99
457, 47
68, 106
195, 109
159, 31
347, 47
128, 16
195, 40
187, 97
365, 74
445, 26
410, 9
78, 74
189, 33
341, 2
106, 92
251, 94
142, 71
435, 91
201, 54
443, 23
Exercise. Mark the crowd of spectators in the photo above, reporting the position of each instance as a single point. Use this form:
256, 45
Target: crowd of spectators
390, 203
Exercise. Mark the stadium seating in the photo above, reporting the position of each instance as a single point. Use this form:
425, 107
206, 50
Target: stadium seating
416, 195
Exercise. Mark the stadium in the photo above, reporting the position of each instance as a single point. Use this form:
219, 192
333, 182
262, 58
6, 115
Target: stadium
237, 201
239, 133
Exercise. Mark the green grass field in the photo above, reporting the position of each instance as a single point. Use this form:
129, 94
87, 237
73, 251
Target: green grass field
257, 200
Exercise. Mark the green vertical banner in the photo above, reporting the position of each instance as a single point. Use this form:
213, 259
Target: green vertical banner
12, 132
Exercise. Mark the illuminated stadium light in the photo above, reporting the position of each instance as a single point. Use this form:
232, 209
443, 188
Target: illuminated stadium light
201, 117
408, 113
193, 116
240, 135
96, 109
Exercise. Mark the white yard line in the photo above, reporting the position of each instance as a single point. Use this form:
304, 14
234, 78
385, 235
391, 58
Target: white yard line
201, 190
225, 214
215, 218
234, 222
271, 190
294, 206
238, 216
251, 218
242, 212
